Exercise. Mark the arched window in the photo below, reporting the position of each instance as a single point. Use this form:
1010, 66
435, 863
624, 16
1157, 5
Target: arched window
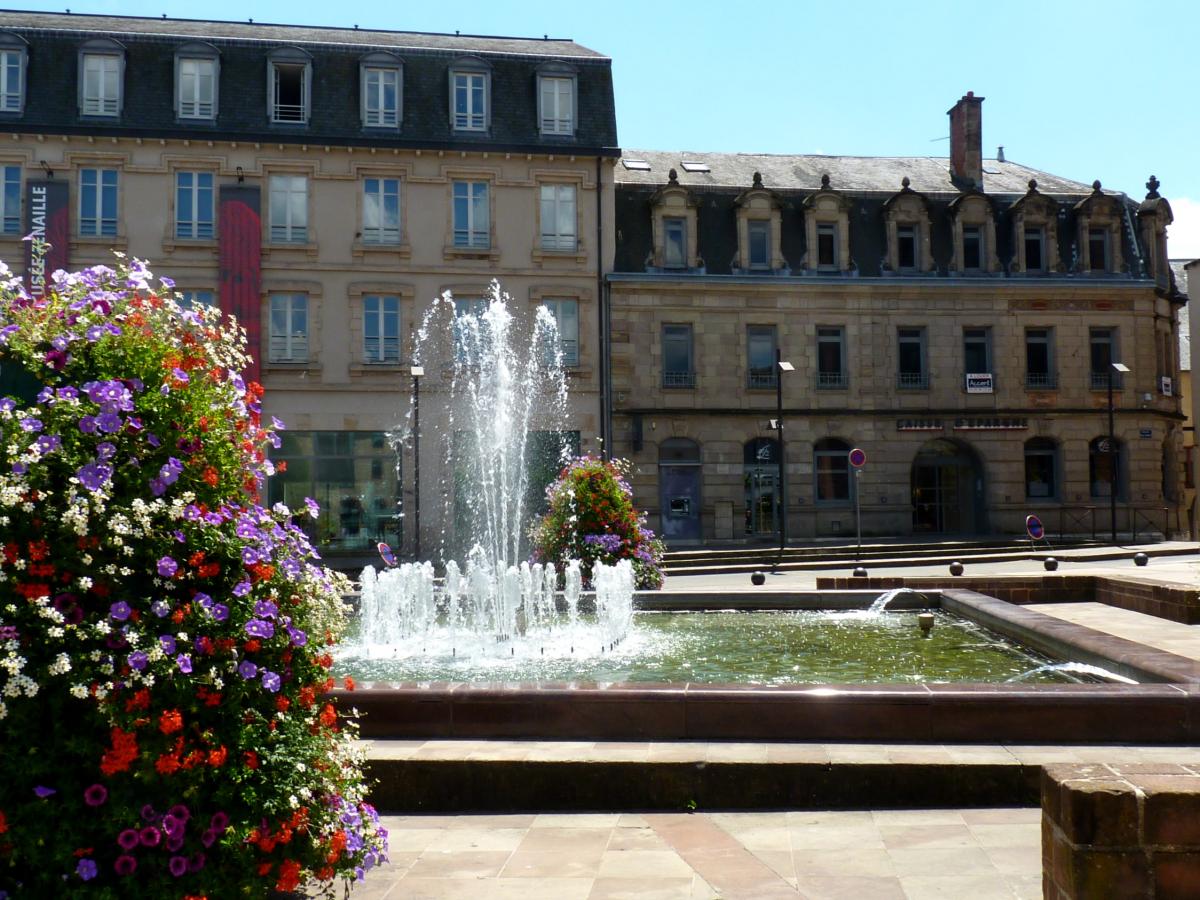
1041, 469
831, 468
1106, 467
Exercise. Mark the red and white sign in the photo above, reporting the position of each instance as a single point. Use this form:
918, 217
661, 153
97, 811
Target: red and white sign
858, 458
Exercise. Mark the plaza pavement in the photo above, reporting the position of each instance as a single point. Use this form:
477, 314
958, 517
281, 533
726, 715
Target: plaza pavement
952, 854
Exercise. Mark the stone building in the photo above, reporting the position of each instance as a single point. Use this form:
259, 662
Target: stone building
324, 185
954, 318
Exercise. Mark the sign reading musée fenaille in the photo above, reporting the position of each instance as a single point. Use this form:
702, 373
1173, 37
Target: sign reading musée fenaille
47, 223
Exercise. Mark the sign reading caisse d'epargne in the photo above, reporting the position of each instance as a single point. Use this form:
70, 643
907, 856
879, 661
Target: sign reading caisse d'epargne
47, 220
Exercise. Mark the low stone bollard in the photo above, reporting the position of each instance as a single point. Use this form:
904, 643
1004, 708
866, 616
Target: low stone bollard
1120, 831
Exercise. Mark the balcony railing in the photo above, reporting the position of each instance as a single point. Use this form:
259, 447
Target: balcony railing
762, 378
828, 381
913, 380
1099, 381
1041, 381
679, 379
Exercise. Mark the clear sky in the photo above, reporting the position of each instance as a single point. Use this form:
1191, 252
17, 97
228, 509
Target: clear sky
1085, 89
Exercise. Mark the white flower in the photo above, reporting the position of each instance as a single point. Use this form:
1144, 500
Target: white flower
85, 583
79, 691
61, 665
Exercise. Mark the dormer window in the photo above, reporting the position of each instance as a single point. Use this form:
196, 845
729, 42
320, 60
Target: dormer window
827, 245
470, 88
758, 232
101, 73
759, 222
556, 100
1035, 229
13, 56
289, 86
381, 76
196, 79
1099, 237
906, 248
674, 243
972, 248
1098, 250
673, 218
827, 230
906, 214
973, 230
1035, 244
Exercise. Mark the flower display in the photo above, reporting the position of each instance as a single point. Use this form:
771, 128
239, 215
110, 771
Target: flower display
592, 518
164, 638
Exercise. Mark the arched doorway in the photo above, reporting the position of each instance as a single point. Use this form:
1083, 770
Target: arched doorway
760, 476
947, 489
679, 490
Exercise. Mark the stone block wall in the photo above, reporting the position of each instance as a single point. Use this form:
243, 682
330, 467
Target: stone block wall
1120, 831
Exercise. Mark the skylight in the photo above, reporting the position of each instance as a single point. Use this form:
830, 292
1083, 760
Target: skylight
636, 165
692, 165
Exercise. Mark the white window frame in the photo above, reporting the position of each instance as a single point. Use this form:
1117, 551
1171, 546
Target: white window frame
375, 113
679, 225
376, 229
281, 114
918, 335
558, 215
378, 310
294, 228
289, 345
92, 181
469, 232
192, 105
554, 92
109, 59
14, 58
566, 317
835, 335
195, 299
195, 228
463, 78
10, 200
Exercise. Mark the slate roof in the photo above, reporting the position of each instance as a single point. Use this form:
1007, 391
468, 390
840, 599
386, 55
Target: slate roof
149, 111
868, 181
1185, 335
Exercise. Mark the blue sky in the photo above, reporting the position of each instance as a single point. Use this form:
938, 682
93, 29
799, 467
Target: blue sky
1096, 89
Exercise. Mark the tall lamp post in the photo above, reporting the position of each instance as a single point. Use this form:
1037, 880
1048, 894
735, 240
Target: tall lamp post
1114, 370
417, 373
783, 366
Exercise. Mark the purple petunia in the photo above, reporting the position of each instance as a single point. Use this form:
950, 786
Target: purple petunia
31, 424
88, 424
265, 609
128, 839
178, 866
86, 869
119, 611
247, 669
167, 642
125, 865
42, 791
260, 628
185, 663
105, 450
270, 680
95, 795
167, 567
150, 836
94, 475
297, 637
311, 505
219, 612
138, 660
241, 589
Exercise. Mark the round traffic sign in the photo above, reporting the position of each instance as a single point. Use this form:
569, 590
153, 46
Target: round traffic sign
858, 458
1035, 528
386, 552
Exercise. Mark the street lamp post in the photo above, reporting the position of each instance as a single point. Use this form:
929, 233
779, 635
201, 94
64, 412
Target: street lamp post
417, 372
1114, 369
783, 366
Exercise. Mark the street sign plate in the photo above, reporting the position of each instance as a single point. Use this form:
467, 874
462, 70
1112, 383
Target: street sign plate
1035, 528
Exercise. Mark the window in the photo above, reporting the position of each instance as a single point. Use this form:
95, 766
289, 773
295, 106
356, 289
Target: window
10, 212
674, 243
1098, 249
677, 357
972, 248
557, 104
1035, 239
100, 84
1039, 358
98, 202
566, 316
381, 211
907, 257
977, 351
466, 314
1105, 468
197, 80
12, 75
827, 255
381, 329
289, 209
831, 463
558, 217
472, 226
761, 351
831, 357
758, 232
912, 372
1103, 343
380, 96
1041, 467
468, 100
194, 299
289, 74
193, 205
289, 328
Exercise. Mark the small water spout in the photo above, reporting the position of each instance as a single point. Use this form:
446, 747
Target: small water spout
882, 601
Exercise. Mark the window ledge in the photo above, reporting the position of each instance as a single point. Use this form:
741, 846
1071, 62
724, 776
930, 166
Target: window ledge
357, 370
577, 255
452, 252
170, 245
109, 242
303, 367
361, 248
308, 248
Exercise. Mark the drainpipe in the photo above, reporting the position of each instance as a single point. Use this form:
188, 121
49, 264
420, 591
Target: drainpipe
602, 320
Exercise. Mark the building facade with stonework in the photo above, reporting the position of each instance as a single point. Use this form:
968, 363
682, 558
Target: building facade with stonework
956, 319
325, 185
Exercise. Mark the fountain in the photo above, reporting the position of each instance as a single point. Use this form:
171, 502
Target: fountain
501, 388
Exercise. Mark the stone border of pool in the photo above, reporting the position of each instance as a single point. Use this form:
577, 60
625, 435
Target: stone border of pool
1167, 712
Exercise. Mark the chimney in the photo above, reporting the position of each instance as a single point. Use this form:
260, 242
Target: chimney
966, 142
